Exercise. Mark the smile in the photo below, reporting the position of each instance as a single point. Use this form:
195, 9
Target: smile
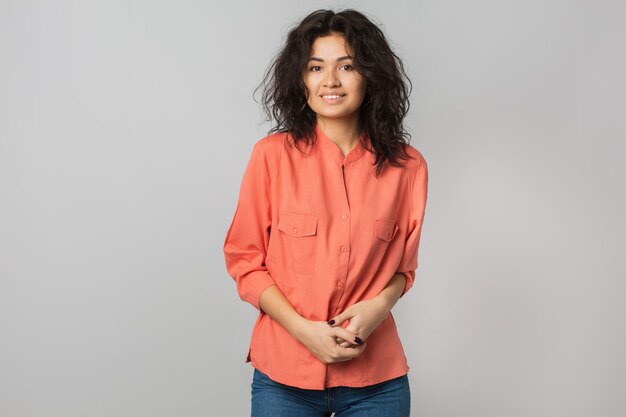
333, 98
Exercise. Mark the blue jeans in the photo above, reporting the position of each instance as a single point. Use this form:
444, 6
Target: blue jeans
272, 399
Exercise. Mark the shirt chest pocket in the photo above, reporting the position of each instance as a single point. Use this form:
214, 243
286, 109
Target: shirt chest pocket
300, 236
386, 229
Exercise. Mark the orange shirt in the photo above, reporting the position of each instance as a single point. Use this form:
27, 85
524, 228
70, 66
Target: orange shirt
328, 233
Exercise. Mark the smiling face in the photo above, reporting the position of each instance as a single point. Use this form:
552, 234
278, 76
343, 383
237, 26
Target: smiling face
335, 89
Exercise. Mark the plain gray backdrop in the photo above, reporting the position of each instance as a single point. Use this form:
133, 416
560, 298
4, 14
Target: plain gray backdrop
125, 127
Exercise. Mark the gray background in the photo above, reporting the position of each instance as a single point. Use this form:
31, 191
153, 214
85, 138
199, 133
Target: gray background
125, 128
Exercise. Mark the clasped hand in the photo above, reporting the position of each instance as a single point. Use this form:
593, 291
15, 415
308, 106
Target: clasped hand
333, 343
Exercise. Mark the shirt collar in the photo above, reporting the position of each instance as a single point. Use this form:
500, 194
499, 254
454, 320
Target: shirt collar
331, 149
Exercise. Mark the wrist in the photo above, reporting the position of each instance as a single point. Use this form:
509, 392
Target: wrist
296, 326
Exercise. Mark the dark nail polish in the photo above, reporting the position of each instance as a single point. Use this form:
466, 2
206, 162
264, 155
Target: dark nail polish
331, 322
358, 340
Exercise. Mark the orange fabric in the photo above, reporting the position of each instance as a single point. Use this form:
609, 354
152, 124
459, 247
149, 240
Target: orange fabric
328, 233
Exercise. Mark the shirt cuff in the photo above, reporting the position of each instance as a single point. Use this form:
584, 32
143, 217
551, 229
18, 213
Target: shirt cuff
410, 279
252, 286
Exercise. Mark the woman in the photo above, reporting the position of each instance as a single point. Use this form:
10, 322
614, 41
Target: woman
325, 236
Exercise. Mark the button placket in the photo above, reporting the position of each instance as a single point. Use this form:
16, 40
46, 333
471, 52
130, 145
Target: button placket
343, 247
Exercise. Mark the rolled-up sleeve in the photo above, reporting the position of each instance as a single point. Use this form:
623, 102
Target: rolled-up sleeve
245, 246
418, 194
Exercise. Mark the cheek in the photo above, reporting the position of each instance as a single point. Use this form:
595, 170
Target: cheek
309, 87
360, 85
363, 87
362, 92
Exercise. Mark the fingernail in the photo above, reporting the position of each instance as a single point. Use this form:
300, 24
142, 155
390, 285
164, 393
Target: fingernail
358, 340
331, 322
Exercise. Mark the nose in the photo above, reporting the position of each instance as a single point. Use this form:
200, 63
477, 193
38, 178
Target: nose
331, 79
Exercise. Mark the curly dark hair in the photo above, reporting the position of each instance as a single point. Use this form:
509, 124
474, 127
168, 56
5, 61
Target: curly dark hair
388, 87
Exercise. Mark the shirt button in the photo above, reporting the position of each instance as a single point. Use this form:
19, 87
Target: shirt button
345, 216
344, 248
294, 230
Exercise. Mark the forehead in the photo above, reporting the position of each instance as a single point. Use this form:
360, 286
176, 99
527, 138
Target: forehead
330, 46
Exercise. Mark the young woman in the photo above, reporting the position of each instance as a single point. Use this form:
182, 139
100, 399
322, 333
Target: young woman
325, 237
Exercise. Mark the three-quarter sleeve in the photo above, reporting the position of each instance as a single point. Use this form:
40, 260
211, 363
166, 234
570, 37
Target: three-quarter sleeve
418, 194
245, 246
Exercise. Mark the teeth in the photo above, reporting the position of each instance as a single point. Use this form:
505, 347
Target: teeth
332, 97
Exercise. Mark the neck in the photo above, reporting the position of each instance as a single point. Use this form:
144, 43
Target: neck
345, 133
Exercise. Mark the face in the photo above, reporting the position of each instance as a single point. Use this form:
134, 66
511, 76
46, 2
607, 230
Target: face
334, 87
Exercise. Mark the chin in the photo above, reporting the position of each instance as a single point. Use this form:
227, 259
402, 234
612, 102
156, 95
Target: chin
335, 115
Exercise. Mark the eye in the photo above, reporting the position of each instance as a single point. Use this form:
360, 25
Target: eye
315, 68
347, 67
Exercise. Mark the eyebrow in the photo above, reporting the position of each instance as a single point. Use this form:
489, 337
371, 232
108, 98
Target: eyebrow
341, 58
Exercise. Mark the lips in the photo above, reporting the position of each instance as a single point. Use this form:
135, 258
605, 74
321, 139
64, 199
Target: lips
332, 98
